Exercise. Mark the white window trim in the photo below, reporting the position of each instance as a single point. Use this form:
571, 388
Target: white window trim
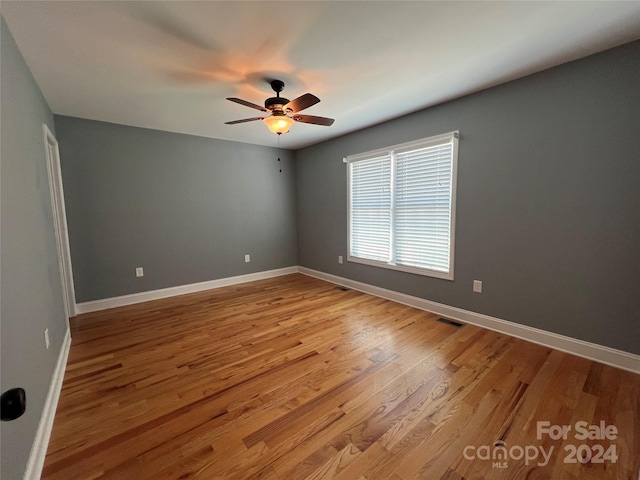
425, 142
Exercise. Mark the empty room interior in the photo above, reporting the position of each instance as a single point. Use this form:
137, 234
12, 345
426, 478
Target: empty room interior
350, 240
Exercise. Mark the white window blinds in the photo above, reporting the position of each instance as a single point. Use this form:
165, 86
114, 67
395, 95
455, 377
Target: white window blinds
423, 207
371, 208
402, 206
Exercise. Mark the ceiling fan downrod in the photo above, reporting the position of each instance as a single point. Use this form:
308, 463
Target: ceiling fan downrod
276, 104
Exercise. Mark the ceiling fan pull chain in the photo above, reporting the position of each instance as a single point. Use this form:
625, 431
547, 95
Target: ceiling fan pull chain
279, 162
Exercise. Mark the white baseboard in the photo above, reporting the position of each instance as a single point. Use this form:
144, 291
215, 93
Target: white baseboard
41, 442
134, 298
599, 353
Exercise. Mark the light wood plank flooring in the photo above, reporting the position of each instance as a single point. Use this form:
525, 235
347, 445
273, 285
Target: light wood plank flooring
292, 378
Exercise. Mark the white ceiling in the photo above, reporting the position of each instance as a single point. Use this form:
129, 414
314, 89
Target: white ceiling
170, 65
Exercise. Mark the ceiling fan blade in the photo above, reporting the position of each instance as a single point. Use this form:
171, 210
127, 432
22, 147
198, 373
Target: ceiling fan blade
233, 122
247, 104
314, 120
302, 102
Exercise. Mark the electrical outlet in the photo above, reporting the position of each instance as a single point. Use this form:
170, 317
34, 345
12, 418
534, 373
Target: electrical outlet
247, 258
139, 272
340, 260
46, 338
477, 286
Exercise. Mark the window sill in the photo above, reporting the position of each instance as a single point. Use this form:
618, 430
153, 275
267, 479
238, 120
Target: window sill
403, 268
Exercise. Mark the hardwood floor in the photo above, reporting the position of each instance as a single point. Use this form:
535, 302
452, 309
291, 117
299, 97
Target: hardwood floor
292, 378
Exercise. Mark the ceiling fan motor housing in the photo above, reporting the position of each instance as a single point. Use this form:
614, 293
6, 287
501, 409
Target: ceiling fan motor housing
275, 103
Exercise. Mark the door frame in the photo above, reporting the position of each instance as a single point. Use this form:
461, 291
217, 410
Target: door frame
60, 221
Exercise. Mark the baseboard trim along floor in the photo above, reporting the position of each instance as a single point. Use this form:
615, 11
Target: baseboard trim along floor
104, 304
41, 442
599, 353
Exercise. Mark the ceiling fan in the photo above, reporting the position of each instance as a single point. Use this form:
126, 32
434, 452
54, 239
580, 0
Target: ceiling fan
283, 113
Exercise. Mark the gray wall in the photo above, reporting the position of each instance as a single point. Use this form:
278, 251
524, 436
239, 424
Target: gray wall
548, 203
31, 294
186, 209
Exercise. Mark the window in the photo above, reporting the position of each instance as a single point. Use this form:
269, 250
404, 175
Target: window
402, 206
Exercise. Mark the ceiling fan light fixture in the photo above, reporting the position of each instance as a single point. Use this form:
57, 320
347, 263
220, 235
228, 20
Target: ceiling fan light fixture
279, 124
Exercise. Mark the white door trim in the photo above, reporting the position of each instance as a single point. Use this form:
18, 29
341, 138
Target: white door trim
60, 220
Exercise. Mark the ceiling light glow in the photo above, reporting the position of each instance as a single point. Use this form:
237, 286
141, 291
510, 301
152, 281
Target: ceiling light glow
279, 124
